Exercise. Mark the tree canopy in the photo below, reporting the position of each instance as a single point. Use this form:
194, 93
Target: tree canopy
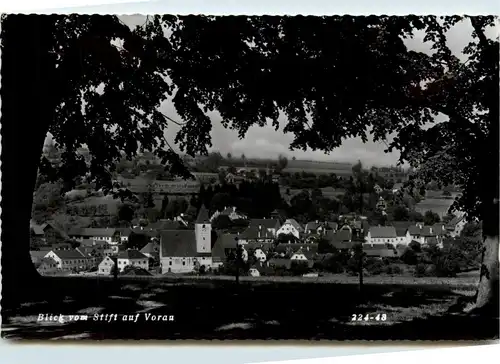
112, 79
100, 83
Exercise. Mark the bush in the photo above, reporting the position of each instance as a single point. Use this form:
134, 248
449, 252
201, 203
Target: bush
415, 246
352, 266
375, 267
397, 270
299, 268
420, 269
409, 257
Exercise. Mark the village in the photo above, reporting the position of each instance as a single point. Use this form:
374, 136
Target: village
215, 239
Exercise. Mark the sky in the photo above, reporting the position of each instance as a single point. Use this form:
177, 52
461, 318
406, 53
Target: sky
265, 142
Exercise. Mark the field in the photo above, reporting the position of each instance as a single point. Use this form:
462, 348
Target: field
437, 205
220, 309
317, 171
111, 203
464, 281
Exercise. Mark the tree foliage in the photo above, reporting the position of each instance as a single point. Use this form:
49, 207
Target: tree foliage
101, 83
386, 95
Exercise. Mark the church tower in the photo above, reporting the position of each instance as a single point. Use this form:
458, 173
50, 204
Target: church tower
203, 232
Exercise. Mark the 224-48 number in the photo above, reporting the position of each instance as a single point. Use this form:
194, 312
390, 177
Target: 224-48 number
368, 317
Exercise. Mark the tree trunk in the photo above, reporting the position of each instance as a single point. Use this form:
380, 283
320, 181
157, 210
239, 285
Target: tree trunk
26, 115
487, 297
487, 300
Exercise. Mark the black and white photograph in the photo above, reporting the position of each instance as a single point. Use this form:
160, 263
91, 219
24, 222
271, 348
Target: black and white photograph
201, 177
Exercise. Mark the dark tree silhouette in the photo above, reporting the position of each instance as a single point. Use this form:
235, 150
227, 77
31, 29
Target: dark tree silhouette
55, 60
126, 213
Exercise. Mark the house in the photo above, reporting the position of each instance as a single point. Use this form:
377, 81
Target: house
180, 250
343, 235
262, 268
272, 225
381, 204
96, 244
455, 226
111, 236
132, 257
288, 250
229, 212
124, 234
61, 246
340, 240
150, 233
260, 255
46, 232
382, 234
298, 256
291, 226
426, 235
256, 234
94, 254
37, 256
46, 266
68, 259
320, 227
106, 266
402, 232
254, 272
380, 251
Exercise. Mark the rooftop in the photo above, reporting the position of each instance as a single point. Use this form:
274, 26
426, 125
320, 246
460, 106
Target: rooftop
131, 254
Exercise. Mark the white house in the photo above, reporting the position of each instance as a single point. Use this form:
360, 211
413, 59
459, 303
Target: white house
68, 259
105, 267
260, 255
254, 272
132, 257
455, 226
298, 256
427, 234
291, 226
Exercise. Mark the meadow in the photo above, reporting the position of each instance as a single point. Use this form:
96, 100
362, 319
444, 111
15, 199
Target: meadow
256, 310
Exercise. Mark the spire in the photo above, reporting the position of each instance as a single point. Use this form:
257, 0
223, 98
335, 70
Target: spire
203, 215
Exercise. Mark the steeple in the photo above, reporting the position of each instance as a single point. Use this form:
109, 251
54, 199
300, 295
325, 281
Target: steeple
203, 215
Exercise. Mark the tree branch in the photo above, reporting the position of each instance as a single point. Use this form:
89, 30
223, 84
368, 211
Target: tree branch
483, 41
